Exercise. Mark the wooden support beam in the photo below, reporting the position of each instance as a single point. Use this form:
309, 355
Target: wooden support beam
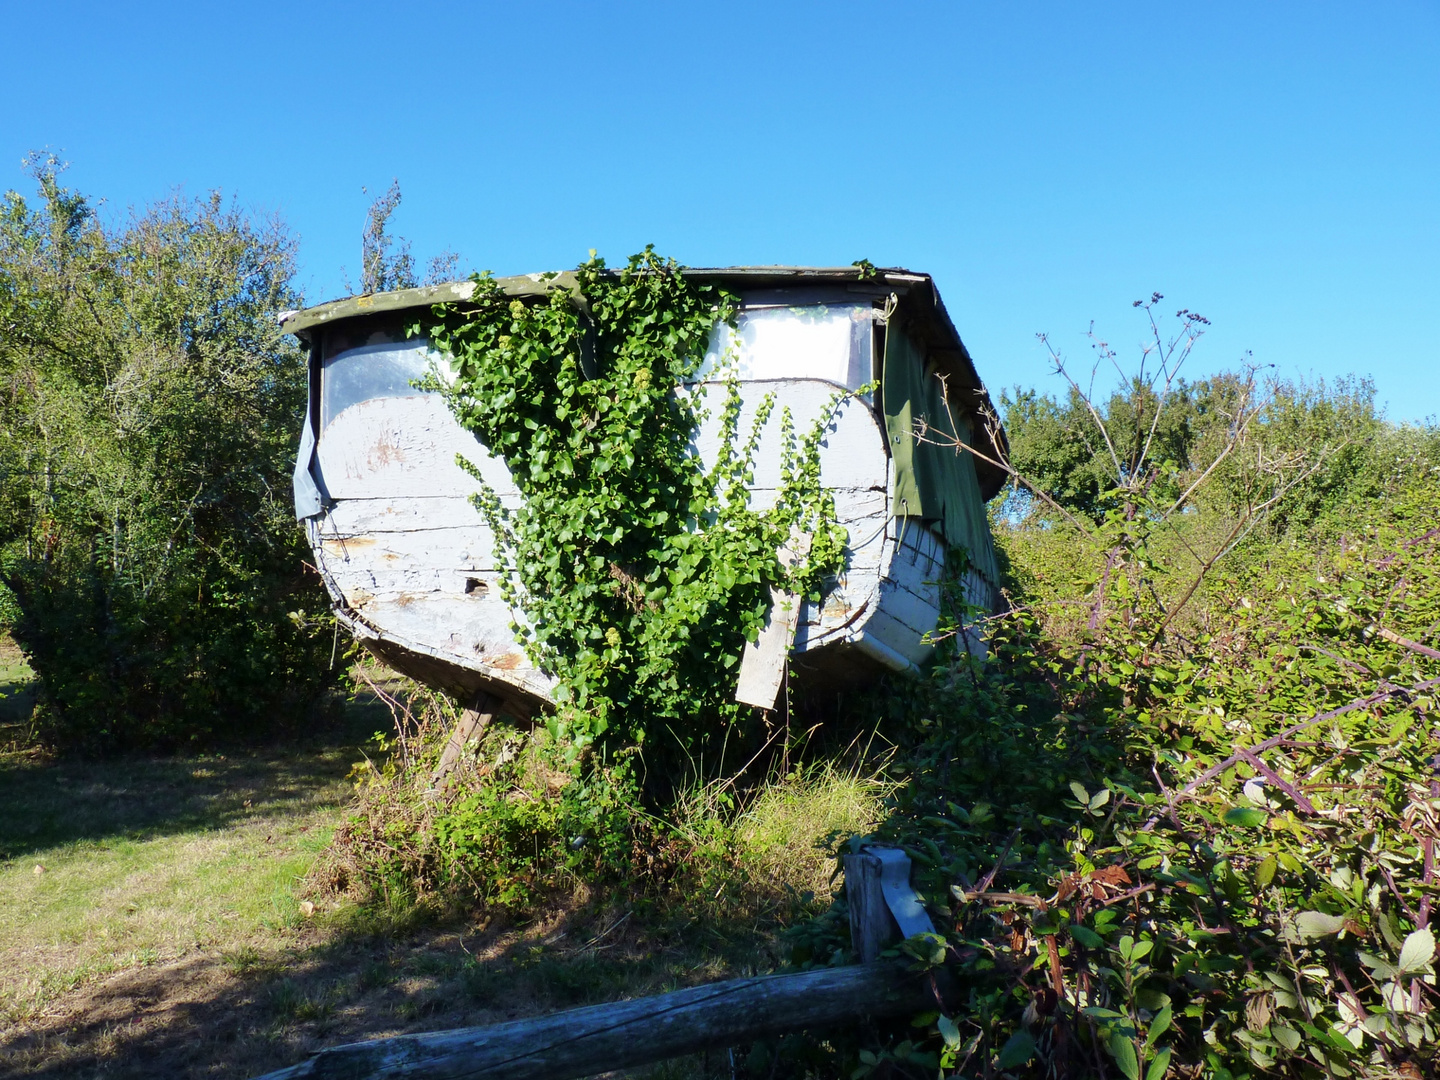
872, 927
883, 906
472, 724
627, 1034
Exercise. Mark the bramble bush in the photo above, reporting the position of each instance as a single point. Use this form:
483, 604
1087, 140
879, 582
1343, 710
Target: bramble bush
1211, 701
1213, 853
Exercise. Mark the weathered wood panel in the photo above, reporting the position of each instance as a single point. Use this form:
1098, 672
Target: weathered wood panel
416, 513
853, 452
409, 579
907, 600
762, 664
402, 447
404, 548
872, 927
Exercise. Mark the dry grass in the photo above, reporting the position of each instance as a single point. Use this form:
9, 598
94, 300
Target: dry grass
787, 835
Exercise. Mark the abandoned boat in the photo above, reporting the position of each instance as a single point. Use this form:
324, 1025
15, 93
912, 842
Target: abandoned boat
409, 561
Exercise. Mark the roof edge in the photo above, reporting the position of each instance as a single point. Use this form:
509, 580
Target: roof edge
928, 314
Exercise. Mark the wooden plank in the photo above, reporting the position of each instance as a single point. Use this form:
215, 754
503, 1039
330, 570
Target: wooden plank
401, 447
897, 637
407, 513
882, 905
471, 725
843, 615
912, 603
628, 1034
762, 664
872, 927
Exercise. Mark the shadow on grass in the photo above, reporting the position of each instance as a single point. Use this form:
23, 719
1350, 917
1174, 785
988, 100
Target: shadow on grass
45, 803
345, 975
248, 1012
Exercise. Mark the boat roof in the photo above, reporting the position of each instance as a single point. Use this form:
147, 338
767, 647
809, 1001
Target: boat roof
925, 318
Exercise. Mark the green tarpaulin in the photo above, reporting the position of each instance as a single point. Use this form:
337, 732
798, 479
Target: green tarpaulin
936, 483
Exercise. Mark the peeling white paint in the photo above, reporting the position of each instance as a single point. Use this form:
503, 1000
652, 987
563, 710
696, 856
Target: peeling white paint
407, 555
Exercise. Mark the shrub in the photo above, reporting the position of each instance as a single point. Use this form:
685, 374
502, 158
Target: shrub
1213, 852
149, 413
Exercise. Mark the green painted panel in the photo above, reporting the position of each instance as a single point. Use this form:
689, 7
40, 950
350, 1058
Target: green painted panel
935, 483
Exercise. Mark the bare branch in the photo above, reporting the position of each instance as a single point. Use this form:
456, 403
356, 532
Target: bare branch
992, 424
1061, 370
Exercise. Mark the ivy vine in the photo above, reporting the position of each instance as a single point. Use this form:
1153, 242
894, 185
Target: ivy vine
636, 572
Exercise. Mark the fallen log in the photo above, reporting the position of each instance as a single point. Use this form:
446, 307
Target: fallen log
625, 1034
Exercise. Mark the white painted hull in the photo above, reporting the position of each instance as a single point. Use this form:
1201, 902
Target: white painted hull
410, 563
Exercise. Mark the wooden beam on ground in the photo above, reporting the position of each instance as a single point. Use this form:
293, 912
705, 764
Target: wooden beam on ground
627, 1034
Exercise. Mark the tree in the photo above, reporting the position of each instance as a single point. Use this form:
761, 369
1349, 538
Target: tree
149, 407
1161, 432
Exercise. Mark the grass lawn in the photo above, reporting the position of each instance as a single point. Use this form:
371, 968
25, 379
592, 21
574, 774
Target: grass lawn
129, 864
155, 920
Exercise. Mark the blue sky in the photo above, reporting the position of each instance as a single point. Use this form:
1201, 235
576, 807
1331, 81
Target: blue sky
1273, 166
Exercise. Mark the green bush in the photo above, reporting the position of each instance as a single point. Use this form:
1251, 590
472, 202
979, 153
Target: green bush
149, 414
1213, 853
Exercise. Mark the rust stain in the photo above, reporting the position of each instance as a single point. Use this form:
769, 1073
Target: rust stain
508, 662
344, 545
385, 452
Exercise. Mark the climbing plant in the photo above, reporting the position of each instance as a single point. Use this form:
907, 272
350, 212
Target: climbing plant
636, 570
